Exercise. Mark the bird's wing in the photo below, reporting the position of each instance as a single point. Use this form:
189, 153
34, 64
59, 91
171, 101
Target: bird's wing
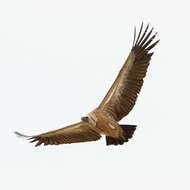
122, 96
79, 132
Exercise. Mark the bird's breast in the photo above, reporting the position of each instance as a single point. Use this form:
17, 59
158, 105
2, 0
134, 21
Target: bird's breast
104, 124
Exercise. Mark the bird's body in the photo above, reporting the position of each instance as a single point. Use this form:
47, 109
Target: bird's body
104, 124
118, 102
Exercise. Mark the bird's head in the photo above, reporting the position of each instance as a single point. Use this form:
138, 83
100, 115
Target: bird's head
88, 120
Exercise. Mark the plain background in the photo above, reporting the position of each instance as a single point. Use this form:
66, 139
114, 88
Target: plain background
58, 60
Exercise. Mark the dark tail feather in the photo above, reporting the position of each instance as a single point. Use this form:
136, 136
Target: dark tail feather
113, 141
128, 131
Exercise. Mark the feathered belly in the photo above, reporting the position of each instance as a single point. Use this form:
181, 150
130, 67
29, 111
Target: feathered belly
104, 124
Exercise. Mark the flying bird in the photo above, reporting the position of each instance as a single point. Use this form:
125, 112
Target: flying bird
117, 103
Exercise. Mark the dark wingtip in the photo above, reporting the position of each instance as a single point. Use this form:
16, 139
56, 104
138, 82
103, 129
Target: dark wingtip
134, 36
144, 39
21, 135
139, 33
151, 46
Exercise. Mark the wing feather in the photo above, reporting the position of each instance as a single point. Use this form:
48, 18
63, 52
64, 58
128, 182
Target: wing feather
123, 94
80, 132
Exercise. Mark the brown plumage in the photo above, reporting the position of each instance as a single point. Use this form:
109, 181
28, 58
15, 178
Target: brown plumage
118, 102
79, 132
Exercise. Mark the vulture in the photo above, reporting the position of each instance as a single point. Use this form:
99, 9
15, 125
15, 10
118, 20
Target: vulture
118, 102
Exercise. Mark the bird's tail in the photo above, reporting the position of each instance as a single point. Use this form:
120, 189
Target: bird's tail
128, 131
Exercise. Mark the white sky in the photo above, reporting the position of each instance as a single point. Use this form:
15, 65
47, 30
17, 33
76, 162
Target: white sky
57, 61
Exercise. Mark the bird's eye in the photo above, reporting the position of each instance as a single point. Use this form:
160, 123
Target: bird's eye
86, 119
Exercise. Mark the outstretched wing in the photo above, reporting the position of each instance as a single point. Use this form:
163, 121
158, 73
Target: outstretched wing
79, 132
122, 96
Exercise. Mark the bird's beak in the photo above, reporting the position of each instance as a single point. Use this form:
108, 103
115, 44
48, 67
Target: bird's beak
85, 119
